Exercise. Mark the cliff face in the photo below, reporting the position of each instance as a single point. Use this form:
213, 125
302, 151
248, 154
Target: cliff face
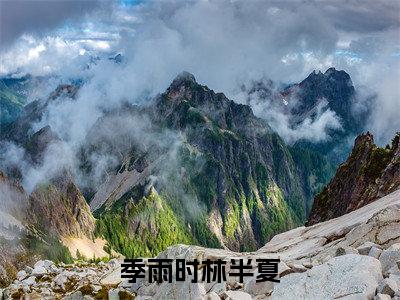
58, 208
369, 172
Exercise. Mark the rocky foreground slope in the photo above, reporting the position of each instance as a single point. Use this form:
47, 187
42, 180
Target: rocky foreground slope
355, 256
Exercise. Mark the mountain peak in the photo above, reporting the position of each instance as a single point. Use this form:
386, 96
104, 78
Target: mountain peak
364, 139
337, 74
182, 78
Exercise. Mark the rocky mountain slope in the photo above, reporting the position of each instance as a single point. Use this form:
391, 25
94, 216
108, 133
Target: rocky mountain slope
233, 181
355, 256
370, 172
33, 226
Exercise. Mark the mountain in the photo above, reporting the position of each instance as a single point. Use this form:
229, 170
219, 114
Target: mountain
192, 166
305, 102
370, 172
334, 86
232, 183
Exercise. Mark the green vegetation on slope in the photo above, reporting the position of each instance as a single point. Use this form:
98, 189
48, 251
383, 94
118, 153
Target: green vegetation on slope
315, 171
11, 104
142, 229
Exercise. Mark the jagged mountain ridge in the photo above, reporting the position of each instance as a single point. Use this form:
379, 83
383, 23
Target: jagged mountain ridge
369, 172
307, 100
247, 183
240, 174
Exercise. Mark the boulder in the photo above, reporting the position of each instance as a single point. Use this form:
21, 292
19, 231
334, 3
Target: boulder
113, 294
29, 281
114, 263
217, 287
297, 268
396, 278
339, 277
44, 263
388, 286
28, 270
178, 290
112, 278
60, 280
375, 252
211, 296
365, 248
258, 288
236, 295
382, 297
21, 275
39, 271
74, 296
343, 250
389, 258
284, 269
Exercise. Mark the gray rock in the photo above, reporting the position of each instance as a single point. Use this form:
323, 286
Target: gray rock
382, 297
39, 270
112, 278
393, 271
389, 258
343, 250
297, 268
29, 281
236, 295
60, 280
44, 263
366, 247
375, 252
388, 286
113, 294
53, 269
211, 296
175, 290
217, 287
125, 284
345, 275
21, 275
114, 263
74, 296
396, 278
28, 270
283, 269
258, 288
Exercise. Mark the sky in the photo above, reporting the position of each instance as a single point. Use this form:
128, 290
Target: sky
223, 43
